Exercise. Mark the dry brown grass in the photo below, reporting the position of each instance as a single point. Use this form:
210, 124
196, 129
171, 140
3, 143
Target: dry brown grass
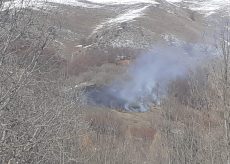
83, 63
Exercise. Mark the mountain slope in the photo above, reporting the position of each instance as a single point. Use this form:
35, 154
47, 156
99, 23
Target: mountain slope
207, 7
129, 23
136, 24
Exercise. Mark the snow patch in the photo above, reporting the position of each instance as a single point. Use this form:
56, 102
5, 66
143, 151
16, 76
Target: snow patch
172, 40
41, 4
125, 17
38, 4
174, 1
23, 4
127, 2
75, 3
207, 7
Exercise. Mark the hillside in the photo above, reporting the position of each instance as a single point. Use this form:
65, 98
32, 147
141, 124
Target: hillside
107, 81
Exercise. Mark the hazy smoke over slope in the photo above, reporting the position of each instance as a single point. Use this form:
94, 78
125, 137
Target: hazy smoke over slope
148, 77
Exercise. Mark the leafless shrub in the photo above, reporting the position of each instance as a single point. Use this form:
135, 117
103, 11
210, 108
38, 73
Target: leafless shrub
196, 112
38, 123
83, 63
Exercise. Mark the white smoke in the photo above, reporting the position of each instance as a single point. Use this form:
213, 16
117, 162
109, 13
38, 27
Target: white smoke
150, 74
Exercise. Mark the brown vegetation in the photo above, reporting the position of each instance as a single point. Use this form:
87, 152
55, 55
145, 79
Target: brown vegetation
43, 118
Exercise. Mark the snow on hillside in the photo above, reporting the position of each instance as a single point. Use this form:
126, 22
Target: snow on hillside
173, 1
210, 6
127, 2
125, 17
36, 4
206, 7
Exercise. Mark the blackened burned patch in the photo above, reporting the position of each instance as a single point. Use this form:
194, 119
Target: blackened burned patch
106, 97
102, 96
148, 78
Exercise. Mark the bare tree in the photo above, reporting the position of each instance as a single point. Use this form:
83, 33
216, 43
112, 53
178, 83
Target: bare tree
38, 122
225, 52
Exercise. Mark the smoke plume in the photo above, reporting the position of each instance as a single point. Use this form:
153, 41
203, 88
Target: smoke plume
148, 77
151, 72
